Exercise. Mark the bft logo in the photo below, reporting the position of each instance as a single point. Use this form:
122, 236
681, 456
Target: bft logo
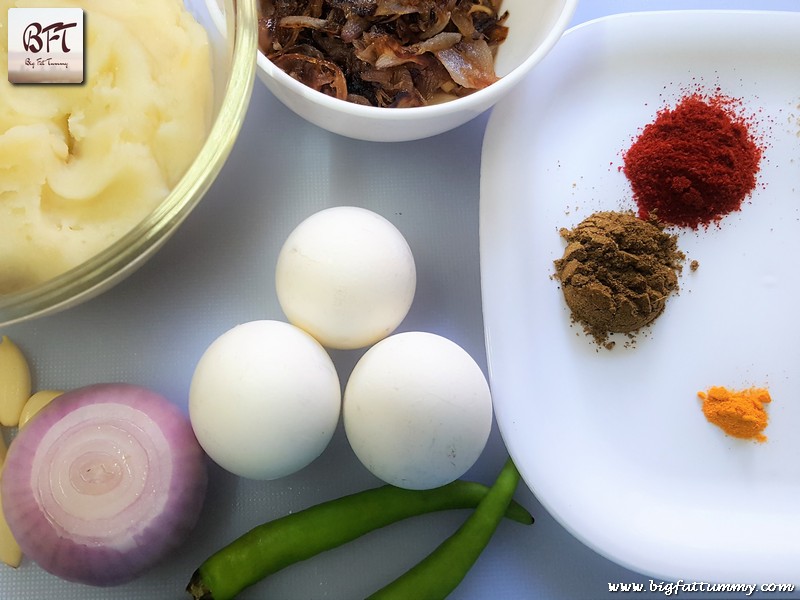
45, 45
36, 38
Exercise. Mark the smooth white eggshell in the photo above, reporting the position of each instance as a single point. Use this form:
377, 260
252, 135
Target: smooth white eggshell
347, 276
417, 410
264, 399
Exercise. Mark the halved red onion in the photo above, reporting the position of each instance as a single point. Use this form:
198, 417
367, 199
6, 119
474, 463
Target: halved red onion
103, 483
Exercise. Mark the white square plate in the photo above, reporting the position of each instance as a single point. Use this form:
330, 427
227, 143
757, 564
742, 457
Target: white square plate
614, 443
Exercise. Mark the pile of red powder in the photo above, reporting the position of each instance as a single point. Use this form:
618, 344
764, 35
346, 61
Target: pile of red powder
694, 164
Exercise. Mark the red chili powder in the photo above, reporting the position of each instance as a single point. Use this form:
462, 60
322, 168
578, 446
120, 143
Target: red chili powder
694, 164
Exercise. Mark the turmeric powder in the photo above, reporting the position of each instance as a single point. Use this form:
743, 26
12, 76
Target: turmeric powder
740, 414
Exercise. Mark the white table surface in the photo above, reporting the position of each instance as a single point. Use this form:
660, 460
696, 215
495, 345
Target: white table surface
217, 271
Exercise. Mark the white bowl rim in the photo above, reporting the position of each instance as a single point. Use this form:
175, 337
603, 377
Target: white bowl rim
477, 101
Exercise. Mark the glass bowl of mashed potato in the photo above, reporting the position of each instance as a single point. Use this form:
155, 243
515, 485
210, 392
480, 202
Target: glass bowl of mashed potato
95, 177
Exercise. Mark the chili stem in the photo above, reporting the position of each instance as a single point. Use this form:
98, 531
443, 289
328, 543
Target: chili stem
440, 572
277, 544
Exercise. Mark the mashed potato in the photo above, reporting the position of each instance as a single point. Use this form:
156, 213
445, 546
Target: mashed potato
80, 165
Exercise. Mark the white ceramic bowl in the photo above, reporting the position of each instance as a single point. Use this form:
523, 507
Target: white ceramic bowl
232, 33
534, 26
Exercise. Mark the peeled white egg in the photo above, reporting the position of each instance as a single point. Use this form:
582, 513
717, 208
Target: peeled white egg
417, 410
264, 399
347, 276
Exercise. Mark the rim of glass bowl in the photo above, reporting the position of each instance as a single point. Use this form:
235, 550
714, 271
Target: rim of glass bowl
124, 256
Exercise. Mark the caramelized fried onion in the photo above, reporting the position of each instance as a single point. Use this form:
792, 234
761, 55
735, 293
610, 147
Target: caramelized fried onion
390, 53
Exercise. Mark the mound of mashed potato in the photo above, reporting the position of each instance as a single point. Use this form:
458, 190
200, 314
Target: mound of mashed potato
80, 165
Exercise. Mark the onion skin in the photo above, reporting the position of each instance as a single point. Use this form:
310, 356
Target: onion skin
130, 488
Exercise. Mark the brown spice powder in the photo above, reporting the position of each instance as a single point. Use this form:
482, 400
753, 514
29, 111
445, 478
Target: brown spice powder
617, 272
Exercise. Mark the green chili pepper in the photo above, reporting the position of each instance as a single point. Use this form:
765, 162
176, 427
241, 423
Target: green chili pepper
443, 569
277, 544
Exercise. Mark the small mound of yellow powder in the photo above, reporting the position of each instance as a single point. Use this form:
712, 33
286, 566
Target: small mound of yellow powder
740, 414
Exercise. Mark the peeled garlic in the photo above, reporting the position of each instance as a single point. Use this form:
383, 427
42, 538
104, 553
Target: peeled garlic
36, 403
15, 382
10, 552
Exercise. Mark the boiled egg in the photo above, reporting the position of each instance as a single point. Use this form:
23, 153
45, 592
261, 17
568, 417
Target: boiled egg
264, 399
346, 275
417, 410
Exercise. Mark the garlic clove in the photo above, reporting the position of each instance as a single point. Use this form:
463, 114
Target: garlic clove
15, 382
10, 552
36, 403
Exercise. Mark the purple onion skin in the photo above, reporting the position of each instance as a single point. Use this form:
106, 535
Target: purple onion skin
91, 559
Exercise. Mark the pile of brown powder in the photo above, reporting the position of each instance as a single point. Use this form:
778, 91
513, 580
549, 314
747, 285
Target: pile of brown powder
617, 272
